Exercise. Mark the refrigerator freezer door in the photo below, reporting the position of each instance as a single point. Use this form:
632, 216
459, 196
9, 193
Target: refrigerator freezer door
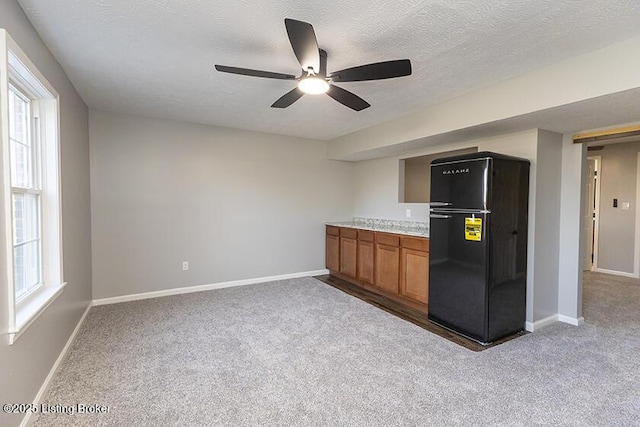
458, 272
460, 185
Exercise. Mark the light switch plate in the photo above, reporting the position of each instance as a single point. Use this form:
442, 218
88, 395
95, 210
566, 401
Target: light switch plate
408, 213
626, 206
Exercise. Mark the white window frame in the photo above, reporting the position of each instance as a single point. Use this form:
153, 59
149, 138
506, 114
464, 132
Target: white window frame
16, 69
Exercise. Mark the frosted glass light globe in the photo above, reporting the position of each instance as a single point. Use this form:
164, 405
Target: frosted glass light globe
313, 85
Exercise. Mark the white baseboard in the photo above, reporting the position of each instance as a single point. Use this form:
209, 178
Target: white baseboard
615, 273
538, 324
534, 326
200, 288
571, 320
54, 368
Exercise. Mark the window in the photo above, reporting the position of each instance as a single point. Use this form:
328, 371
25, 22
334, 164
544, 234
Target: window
30, 188
25, 194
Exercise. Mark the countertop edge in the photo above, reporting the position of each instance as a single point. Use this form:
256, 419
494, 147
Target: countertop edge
380, 229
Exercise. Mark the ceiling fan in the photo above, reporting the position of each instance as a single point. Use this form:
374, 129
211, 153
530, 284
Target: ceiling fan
314, 78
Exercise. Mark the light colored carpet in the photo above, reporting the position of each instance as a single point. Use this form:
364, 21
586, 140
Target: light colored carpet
301, 353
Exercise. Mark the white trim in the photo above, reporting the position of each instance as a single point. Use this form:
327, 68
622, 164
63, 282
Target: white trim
32, 309
54, 368
534, 326
615, 273
18, 62
636, 251
571, 320
538, 324
6, 234
200, 288
596, 223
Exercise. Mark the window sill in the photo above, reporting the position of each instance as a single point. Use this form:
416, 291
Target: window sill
29, 312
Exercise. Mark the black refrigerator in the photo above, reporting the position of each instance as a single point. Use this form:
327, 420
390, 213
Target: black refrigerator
478, 244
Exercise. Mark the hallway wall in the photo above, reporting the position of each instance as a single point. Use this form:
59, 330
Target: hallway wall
616, 237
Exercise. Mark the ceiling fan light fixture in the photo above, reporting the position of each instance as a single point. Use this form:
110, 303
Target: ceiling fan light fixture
314, 79
313, 85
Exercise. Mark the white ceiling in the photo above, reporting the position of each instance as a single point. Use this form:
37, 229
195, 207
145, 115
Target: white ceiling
155, 57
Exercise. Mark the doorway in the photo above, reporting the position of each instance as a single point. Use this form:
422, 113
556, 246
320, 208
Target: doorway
636, 261
591, 213
610, 229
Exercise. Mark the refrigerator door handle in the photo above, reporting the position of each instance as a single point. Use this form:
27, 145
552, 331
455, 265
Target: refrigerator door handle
440, 216
439, 204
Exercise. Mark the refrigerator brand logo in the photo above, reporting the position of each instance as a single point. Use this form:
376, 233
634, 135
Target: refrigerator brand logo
455, 171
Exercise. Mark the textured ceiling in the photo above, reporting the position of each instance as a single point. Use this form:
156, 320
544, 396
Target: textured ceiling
155, 57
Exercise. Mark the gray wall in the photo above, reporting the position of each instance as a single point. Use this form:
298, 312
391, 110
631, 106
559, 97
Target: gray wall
547, 222
25, 365
235, 204
571, 235
377, 190
617, 226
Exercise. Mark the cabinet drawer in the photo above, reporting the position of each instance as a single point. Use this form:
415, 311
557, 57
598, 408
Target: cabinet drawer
349, 233
366, 236
387, 239
334, 231
417, 243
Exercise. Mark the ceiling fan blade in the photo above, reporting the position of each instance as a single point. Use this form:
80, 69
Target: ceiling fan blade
304, 44
288, 98
376, 71
254, 73
347, 98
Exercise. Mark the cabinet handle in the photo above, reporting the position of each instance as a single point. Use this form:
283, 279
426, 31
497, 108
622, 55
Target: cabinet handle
440, 216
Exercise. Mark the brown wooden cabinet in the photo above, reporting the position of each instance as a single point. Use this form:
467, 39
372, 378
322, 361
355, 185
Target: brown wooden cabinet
366, 256
414, 268
387, 262
332, 249
348, 252
392, 265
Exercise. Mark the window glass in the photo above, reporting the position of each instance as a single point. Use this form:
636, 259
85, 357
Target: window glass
21, 150
27, 248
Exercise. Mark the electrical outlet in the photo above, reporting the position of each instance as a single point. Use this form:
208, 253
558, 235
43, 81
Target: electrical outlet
185, 265
408, 213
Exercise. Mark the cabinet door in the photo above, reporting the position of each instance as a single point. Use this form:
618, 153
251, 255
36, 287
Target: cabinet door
348, 256
387, 267
365, 261
414, 277
332, 254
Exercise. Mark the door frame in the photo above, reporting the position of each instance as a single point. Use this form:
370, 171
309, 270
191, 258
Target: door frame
596, 222
636, 262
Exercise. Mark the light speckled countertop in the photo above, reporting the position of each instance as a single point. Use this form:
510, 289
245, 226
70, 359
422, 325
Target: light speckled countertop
409, 228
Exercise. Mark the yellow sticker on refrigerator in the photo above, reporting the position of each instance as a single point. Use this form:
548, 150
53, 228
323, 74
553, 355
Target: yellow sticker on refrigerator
473, 229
